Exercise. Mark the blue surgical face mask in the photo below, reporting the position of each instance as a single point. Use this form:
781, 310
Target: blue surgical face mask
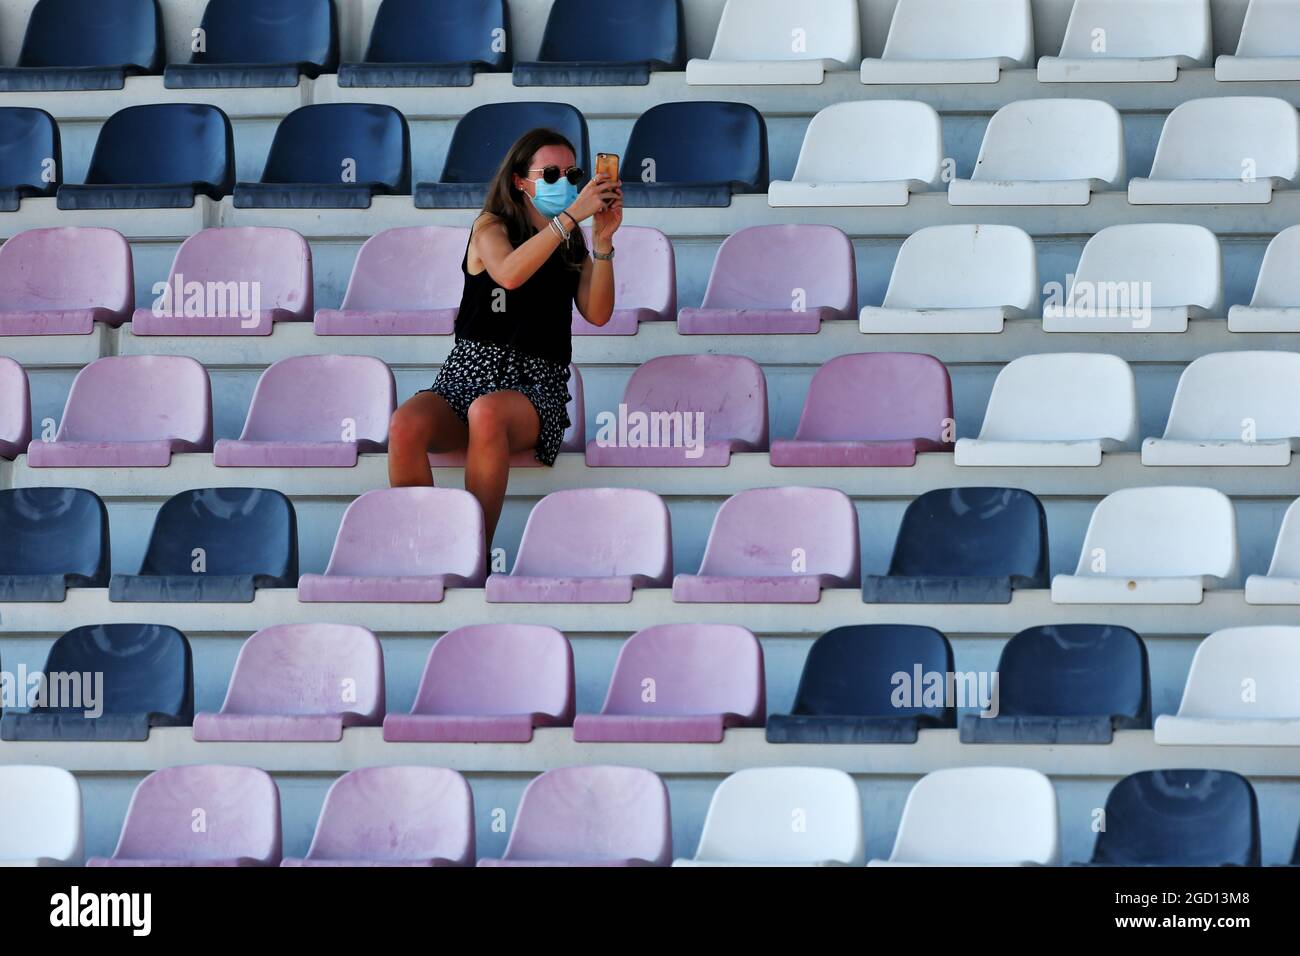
553, 198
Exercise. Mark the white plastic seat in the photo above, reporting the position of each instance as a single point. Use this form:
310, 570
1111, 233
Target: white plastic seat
868, 153
1275, 304
1057, 410
1022, 162
1269, 45
761, 42
1130, 41
1281, 585
1232, 408
1154, 545
783, 816
1141, 277
954, 41
1241, 691
958, 279
40, 817
1223, 149
979, 816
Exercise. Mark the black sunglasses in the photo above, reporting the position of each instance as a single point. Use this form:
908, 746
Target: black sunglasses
551, 174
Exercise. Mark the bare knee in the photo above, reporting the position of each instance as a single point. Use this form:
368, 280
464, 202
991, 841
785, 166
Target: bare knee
489, 419
410, 430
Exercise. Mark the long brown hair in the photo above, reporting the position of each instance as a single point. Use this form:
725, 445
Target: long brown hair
510, 205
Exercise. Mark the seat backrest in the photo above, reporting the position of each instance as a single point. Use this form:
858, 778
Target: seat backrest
54, 531
410, 268
319, 144
323, 398
15, 404
31, 154
698, 142
1286, 553
960, 267
1068, 670
416, 31
393, 532
648, 277
67, 267
242, 267
126, 398
1238, 396
1020, 142
40, 814
631, 31
271, 31
784, 267
1161, 532
146, 668
1068, 396
872, 141
728, 391
1153, 264
1278, 285
783, 532
1229, 137
1245, 673
1138, 28
973, 532
238, 530
199, 148
495, 669
309, 669
486, 133
1270, 29
777, 30
597, 532
961, 30
72, 33
877, 396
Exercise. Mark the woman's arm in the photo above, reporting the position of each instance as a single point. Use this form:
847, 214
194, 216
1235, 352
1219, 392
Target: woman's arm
595, 298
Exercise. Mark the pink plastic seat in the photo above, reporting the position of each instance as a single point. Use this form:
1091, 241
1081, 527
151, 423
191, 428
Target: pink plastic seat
706, 678
314, 411
645, 283
300, 682
874, 410
777, 279
402, 545
232, 281
15, 409
589, 546
686, 410
205, 815
591, 816
406, 281
62, 281
394, 816
131, 412
776, 545
490, 683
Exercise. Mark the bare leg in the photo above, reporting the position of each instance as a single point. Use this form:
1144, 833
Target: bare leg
423, 424
499, 424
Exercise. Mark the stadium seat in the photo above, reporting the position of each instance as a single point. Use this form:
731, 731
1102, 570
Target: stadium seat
685, 410
778, 546
1154, 546
215, 544
239, 280
490, 683
483, 136
157, 156
406, 281
1020, 162
776, 279
15, 409
240, 817
40, 817
589, 546
144, 679
876, 409
1130, 41
868, 153
1054, 411
958, 279
1232, 408
314, 411
680, 683
417, 43
848, 692
954, 41
31, 156
1275, 304
1066, 684
645, 284
694, 154
1281, 585
333, 156
300, 682
775, 42
1240, 691
1223, 149
130, 411
55, 538
86, 45
591, 816
62, 280
1267, 48
965, 546
1141, 277
1180, 818
259, 43
978, 816
394, 816
402, 545
783, 816
593, 43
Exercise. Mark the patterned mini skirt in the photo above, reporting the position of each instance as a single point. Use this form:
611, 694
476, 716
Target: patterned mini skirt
474, 369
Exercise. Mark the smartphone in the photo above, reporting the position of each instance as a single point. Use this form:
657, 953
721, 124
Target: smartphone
607, 163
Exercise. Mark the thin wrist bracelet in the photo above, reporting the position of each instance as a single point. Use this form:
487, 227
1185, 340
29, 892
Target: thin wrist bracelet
603, 256
559, 229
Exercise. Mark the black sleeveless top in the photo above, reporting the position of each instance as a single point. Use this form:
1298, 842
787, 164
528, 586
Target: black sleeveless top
536, 318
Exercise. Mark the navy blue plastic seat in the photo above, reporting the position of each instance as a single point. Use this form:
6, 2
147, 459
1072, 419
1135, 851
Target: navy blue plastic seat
158, 156
1067, 684
418, 43
258, 43
598, 43
1180, 818
848, 692
31, 157
481, 140
965, 546
51, 539
148, 681
216, 544
695, 154
333, 156
86, 45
